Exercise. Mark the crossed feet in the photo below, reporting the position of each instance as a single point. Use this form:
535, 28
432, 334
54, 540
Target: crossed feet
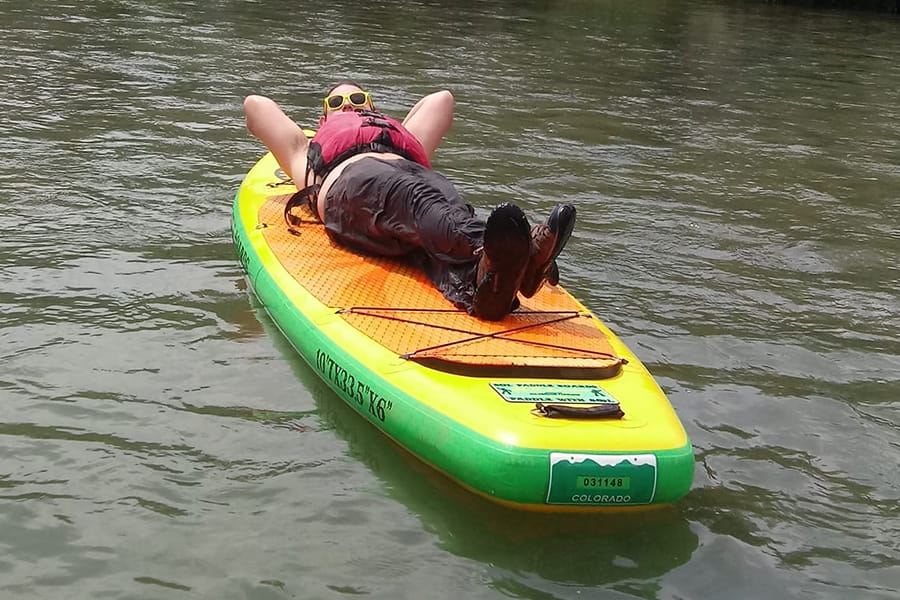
518, 258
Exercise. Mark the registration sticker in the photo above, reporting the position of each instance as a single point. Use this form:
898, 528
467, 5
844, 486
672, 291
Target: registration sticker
602, 479
557, 393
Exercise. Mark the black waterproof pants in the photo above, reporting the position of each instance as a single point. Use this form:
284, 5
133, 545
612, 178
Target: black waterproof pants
399, 208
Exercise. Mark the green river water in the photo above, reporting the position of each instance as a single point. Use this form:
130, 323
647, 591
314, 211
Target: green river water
736, 168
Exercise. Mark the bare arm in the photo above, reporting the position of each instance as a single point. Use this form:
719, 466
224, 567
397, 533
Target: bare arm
430, 119
281, 135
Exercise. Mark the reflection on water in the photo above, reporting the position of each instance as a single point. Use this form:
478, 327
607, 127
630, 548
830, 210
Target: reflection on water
736, 173
584, 550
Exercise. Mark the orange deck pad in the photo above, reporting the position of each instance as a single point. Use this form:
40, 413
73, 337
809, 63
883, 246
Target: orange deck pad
396, 305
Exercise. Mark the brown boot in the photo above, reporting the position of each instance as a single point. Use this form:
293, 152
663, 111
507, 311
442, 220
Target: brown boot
547, 241
503, 261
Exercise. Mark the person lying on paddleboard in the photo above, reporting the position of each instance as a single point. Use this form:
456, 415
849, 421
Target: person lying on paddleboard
368, 177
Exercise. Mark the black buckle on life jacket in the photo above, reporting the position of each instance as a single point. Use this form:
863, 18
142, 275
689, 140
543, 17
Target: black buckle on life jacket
376, 119
375, 122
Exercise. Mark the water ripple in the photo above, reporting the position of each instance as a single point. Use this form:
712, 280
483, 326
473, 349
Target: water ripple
736, 176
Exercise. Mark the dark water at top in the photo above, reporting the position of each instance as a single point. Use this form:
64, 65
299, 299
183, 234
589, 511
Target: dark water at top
736, 169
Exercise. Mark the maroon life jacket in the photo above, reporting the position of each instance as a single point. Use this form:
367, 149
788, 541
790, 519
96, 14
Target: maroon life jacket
343, 135
347, 133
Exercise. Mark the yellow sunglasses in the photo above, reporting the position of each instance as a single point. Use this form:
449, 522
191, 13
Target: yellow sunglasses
356, 100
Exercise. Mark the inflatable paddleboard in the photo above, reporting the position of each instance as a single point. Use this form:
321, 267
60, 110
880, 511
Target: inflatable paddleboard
545, 410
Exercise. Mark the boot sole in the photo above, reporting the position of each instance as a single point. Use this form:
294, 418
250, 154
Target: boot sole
507, 240
561, 224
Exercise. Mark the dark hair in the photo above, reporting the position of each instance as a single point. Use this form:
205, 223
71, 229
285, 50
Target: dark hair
340, 83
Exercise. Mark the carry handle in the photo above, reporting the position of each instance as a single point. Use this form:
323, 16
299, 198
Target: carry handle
564, 411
